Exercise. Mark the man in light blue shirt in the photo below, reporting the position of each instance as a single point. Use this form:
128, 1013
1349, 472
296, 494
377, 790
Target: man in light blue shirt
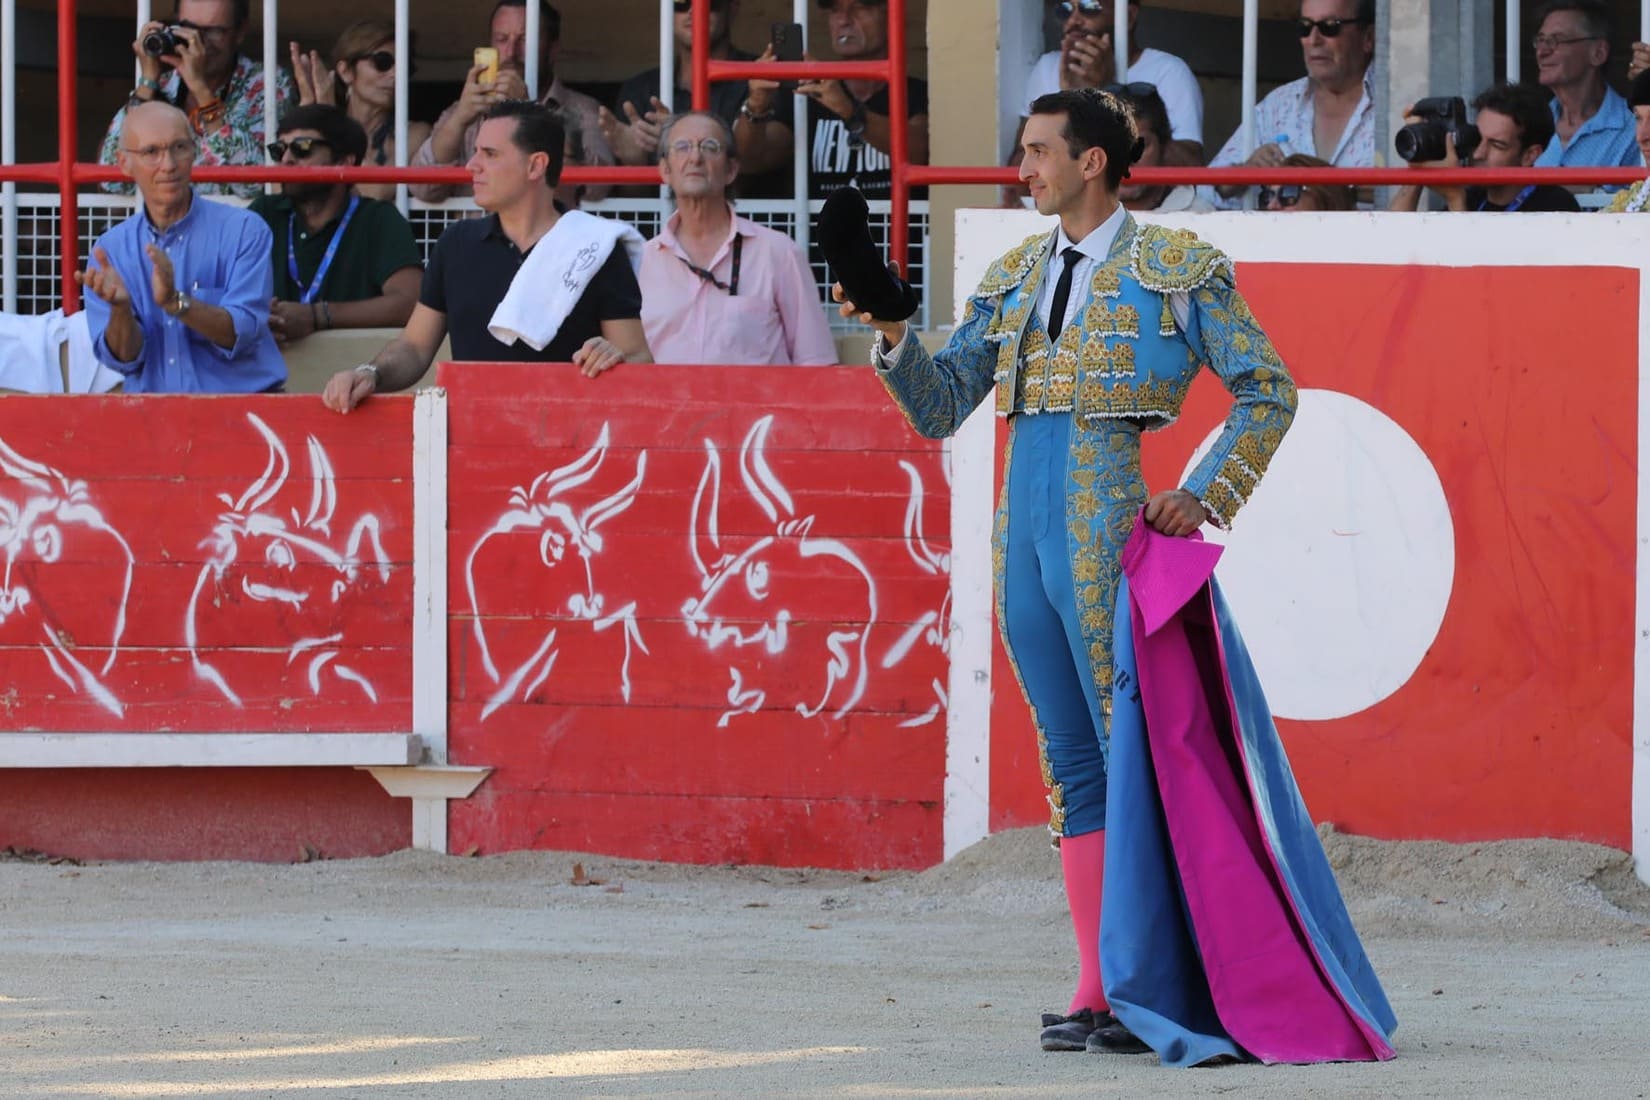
179, 292
1593, 122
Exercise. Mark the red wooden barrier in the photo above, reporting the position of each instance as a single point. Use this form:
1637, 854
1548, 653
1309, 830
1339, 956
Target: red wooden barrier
203, 565
696, 614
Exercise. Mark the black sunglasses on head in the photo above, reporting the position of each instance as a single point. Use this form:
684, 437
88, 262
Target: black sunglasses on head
1329, 28
1287, 195
1134, 89
301, 147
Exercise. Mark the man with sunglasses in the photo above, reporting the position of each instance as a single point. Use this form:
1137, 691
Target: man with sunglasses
178, 294
1593, 125
220, 89
1514, 129
453, 141
717, 288
1329, 112
340, 260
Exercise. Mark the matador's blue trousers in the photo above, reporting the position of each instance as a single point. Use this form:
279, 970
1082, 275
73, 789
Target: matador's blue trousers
1063, 662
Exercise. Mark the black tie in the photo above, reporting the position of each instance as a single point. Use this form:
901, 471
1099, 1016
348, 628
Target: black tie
1062, 294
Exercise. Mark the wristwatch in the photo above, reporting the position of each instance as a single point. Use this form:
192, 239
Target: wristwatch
856, 120
179, 304
751, 116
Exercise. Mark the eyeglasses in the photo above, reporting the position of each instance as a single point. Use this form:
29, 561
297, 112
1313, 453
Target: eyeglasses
1288, 195
302, 147
1087, 7
1134, 89
1329, 28
1552, 42
710, 147
154, 154
215, 34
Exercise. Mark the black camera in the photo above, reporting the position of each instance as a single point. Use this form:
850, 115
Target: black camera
163, 40
1440, 116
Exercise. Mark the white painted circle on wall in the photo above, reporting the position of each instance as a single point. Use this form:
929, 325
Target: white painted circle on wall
1341, 567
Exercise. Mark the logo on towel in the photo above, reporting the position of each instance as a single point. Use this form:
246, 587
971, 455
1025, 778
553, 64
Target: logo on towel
582, 259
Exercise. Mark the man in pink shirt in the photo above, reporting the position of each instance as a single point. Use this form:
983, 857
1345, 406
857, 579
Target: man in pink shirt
717, 288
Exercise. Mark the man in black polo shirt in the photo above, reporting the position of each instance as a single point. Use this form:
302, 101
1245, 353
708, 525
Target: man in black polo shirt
1514, 126
341, 261
514, 172
849, 132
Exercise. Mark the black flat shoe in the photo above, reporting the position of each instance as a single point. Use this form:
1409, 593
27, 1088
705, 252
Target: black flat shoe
1114, 1038
1072, 1032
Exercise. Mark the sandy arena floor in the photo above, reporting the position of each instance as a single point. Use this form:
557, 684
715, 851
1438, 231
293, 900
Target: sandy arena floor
1516, 969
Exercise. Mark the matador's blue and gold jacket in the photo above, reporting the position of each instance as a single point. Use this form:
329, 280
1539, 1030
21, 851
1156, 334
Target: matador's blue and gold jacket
1127, 358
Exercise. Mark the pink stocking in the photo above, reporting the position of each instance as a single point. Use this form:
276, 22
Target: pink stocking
1083, 863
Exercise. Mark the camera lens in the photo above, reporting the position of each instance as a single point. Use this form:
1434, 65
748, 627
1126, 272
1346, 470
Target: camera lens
1420, 141
159, 42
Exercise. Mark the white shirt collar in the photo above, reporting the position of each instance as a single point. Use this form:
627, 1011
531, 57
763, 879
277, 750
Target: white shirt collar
1097, 245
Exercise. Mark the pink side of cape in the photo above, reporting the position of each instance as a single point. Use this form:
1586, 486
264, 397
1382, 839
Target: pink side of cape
1268, 987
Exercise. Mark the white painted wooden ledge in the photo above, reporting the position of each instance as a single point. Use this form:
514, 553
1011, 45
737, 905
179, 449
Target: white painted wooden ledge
208, 750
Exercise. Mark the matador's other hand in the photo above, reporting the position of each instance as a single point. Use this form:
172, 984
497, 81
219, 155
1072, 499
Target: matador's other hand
1175, 512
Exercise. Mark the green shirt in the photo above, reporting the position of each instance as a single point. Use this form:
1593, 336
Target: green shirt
377, 244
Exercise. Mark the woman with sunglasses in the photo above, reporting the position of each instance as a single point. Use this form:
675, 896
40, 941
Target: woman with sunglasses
362, 82
1307, 196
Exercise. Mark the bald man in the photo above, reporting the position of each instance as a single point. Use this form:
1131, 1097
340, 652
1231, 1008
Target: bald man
178, 294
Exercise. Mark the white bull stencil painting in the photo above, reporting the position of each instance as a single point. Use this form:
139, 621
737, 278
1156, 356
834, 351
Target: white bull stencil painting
43, 514
569, 539
739, 607
934, 626
256, 555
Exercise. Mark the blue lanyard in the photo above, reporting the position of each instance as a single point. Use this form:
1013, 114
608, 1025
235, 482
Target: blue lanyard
308, 294
1516, 203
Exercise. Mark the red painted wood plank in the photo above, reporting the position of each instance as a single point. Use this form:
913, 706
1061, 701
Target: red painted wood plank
851, 835
646, 750
824, 408
93, 438
264, 814
164, 689
589, 667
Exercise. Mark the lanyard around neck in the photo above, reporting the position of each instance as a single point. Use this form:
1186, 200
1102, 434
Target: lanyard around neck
308, 294
1523, 197
732, 285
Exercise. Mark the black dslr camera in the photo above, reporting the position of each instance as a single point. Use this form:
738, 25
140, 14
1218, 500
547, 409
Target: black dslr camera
1440, 116
161, 41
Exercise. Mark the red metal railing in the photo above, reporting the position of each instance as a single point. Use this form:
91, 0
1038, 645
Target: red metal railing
69, 174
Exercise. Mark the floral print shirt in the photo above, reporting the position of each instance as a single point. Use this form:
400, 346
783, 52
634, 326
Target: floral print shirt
239, 137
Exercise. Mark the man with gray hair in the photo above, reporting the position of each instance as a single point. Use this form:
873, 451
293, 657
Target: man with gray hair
178, 294
1593, 124
717, 288
1328, 113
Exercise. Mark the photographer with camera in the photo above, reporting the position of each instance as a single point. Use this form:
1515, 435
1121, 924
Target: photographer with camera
1513, 127
194, 62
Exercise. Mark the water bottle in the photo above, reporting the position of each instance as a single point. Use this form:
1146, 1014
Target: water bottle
1282, 142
